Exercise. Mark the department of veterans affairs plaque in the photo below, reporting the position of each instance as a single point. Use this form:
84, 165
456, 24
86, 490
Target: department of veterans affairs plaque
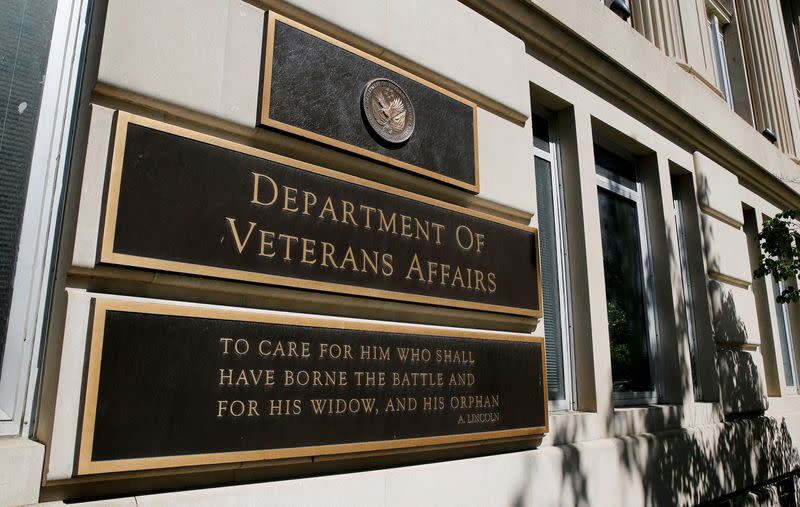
187, 202
175, 385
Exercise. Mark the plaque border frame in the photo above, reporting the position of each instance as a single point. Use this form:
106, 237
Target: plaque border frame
265, 120
109, 217
86, 466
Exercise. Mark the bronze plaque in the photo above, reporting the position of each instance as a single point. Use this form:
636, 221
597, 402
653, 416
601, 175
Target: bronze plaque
171, 385
187, 202
314, 87
389, 111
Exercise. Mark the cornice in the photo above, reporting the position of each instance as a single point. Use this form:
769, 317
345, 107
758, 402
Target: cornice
574, 55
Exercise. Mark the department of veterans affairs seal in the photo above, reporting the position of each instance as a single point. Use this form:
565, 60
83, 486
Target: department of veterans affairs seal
388, 110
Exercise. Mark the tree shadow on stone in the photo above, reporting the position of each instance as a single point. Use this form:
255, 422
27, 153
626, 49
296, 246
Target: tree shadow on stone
684, 462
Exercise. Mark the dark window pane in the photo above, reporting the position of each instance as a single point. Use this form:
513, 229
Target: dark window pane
627, 324
25, 28
615, 168
551, 296
541, 133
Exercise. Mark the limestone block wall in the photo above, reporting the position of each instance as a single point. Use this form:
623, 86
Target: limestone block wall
764, 71
679, 467
197, 64
205, 75
735, 321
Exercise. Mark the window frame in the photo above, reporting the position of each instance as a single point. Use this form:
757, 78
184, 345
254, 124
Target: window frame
686, 285
633, 398
562, 260
40, 221
785, 327
716, 20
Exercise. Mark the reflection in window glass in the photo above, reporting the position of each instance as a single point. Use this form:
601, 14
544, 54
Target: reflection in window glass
541, 133
627, 323
615, 168
25, 30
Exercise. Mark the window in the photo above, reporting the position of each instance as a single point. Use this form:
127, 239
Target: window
554, 265
24, 45
628, 278
791, 20
41, 61
25, 33
686, 280
786, 339
726, 56
719, 56
767, 325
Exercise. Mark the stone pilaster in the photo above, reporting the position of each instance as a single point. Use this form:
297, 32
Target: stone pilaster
764, 75
660, 22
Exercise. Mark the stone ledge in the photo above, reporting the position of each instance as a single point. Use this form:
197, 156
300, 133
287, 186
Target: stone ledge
681, 467
21, 463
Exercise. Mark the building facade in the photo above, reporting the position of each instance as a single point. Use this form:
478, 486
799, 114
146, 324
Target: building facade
600, 171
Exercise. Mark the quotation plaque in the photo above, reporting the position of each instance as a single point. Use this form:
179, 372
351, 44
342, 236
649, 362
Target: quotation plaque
173, 385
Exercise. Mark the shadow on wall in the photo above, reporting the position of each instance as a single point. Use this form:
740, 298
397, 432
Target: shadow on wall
728, 326
698, 465
741, 387
740, 382
680, 466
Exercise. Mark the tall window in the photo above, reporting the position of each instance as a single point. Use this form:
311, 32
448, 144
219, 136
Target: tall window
627, 266
554, 265
25, 29
719, 56
727, 56
786, 338
791, 19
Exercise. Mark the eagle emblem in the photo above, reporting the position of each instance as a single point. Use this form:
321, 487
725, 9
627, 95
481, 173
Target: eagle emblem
388, 110
391, 115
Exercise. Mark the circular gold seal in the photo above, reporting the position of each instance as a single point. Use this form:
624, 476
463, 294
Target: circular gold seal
388, 110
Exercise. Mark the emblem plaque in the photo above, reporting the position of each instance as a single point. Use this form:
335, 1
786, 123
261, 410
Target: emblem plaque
389, 111
443, 147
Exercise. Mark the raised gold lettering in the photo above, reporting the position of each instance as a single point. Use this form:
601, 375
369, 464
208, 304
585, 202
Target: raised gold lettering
240, 244
290, 196
257, 177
